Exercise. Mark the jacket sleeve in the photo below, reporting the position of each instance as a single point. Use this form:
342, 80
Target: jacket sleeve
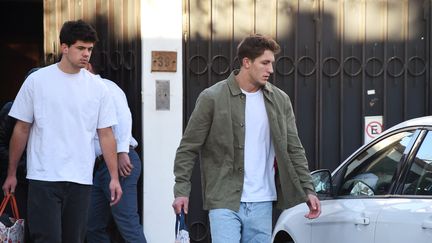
191, 143
297, 153
7, 124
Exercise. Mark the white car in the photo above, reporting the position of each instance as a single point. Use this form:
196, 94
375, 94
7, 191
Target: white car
382, 193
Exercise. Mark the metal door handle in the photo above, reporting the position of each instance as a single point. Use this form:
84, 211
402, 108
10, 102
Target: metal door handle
364, 221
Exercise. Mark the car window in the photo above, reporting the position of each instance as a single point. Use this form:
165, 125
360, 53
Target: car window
372, 171
419, 177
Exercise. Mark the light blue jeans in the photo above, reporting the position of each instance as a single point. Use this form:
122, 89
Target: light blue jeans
251, 224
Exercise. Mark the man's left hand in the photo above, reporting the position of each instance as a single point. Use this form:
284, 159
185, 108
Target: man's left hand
314, 207
116, 191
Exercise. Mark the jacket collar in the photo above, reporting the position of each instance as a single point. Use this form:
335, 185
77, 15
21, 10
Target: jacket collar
235, 88
232, 83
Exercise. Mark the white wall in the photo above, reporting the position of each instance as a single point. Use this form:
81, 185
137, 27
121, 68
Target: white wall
161, 22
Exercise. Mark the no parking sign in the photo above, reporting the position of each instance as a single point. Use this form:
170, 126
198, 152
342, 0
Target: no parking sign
373, 127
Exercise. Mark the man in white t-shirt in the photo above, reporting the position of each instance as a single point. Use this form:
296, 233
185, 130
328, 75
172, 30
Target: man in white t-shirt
59, 109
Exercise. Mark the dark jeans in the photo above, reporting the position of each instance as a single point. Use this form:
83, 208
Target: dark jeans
57, 211
125, 212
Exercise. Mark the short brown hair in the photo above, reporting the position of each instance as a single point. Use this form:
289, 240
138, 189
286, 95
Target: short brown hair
254, 46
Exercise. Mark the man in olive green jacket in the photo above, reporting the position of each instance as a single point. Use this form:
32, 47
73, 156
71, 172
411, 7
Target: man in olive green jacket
243, 128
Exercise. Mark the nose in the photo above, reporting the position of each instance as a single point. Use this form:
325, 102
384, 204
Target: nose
270, 69
87, 52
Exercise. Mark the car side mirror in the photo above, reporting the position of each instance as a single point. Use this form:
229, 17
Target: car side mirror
322, 182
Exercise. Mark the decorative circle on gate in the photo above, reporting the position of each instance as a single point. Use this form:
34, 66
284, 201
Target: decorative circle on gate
283, 63
370, 66
199, 63
129, 60
220, 64
305, 60
397, 64
198, 231
327, 65
115, 60
352, 61
412, 67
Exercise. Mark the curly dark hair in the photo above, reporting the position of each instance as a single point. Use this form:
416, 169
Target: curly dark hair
75, 30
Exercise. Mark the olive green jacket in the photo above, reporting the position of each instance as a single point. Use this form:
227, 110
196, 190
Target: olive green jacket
216, 133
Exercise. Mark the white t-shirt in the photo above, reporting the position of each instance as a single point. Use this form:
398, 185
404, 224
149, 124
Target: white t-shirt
259, 178
123, 130
65, 110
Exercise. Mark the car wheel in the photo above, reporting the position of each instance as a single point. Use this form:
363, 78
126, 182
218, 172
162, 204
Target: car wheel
283, 237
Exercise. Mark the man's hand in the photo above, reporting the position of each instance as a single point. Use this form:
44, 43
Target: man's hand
116, 191
179, 203
9, 185
314, 207
17, 146
124, 164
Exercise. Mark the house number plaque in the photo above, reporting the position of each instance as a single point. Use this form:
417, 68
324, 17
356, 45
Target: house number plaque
164, 61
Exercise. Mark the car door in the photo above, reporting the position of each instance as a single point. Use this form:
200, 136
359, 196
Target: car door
408, 217
361, 189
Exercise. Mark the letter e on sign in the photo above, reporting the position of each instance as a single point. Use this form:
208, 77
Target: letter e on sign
373, 127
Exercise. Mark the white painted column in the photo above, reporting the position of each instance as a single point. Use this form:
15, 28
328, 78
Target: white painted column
161, 22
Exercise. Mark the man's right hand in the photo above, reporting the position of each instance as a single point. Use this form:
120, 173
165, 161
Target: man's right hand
179, 203
9, 185
124, 164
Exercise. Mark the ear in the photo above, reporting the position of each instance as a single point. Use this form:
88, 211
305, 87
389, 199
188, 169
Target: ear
64, 48
90, 67
246, 62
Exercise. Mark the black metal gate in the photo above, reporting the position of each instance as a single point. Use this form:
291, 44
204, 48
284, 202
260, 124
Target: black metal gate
341, 60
